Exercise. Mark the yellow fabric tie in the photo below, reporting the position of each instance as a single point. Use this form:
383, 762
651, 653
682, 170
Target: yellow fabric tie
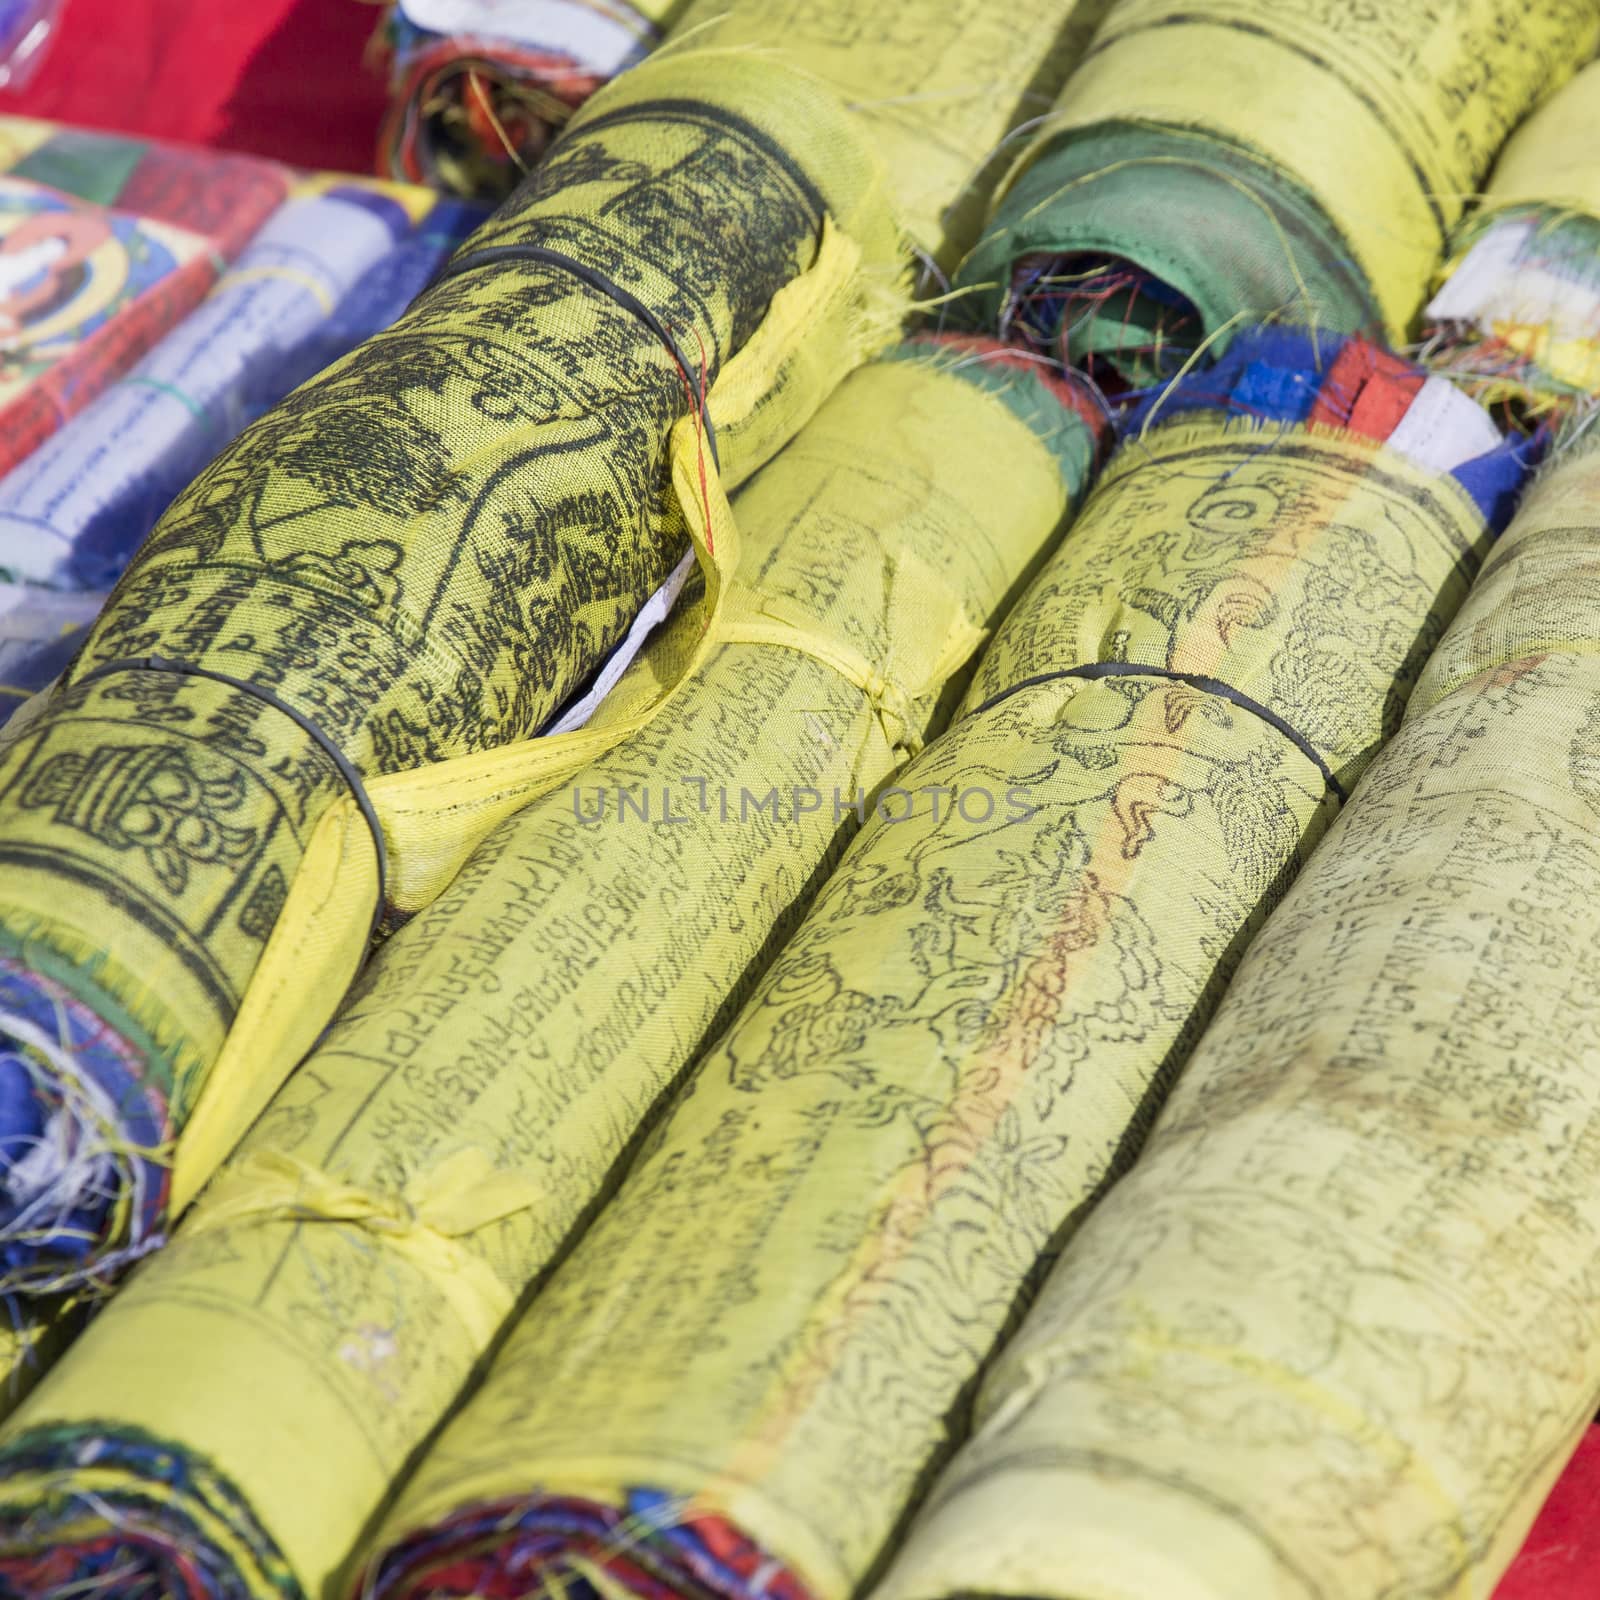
929, 632
425, 1222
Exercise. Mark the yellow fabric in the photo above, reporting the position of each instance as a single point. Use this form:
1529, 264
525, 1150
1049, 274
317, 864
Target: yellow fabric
939, 84
774, 1318
21, 135
1336, 1333
433, 818
1389, 114
1548, 164
531, 488
29, 1341
412, 198
1550, 159
316, 1315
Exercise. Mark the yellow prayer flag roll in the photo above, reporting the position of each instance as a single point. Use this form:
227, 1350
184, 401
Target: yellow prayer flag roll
1516, 316
1550, 159
1389, 114
1337, 1332
318, 1313
341, 636
740, 1377
939, 84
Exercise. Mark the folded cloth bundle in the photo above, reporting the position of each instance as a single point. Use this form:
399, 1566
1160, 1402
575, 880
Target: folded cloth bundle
75, 511
736, 1381
421, 555
1517, 319
105, 243
40, 632
1337, 1331
940, 93
478, 88
1311, 177
506, 1045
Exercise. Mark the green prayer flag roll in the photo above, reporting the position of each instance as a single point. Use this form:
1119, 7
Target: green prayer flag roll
737, 1382
418, 558
1126, 247
1212, 164
316, 1316
1336, 1333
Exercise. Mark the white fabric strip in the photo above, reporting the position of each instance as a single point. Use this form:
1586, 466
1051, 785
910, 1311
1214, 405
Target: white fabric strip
601, 36
1443, 428
1506, 280
653, 613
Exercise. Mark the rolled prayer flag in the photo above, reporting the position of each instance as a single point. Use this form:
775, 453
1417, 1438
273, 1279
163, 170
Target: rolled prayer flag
299, 1339
1516, 321
940, 87
105, 244
74, 512
420, 556
1336, 1333
1312, 175
380, 297
479, 88
740, 1377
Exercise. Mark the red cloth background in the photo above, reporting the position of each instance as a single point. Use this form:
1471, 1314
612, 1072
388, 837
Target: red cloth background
281, 78
1561, 1560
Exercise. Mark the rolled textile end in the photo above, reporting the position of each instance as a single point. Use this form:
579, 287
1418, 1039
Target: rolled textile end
1261, 216
182, 837
652, 1546
196, 1539
478, 93
1107, 253
1516, 317
1336, 1332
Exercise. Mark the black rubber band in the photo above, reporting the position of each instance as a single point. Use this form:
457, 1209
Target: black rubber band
1224, 691
490, 254
346, 768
